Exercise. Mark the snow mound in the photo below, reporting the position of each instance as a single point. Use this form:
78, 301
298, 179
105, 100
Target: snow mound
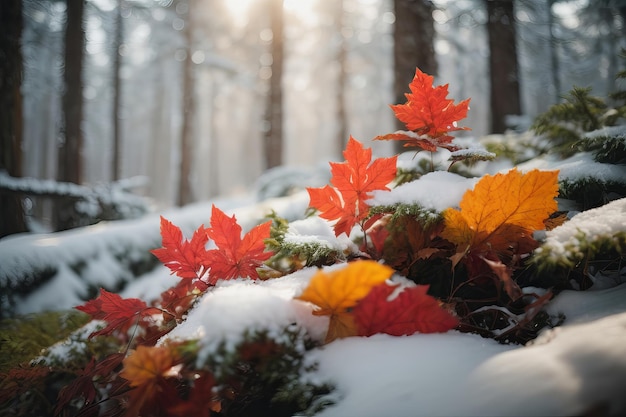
434, 191
236, 307
573, 240
579, 167
569, 370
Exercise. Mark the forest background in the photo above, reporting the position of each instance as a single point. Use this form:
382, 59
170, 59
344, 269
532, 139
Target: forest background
185, 100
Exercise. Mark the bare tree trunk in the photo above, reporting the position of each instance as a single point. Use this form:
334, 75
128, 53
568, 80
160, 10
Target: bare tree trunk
70, 161
185, 191
69, 168
505, 94
11, 212
214, 149
117, 93
273, 138
554, 55
342, 117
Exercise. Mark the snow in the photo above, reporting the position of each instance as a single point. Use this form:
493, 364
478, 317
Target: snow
566, 371
573, 369
608, 131
578, 167
602, 223
435, 191
569, 371
234, 307
315, 230
95, 256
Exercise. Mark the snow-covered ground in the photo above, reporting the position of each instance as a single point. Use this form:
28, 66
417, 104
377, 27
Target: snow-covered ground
578, 368
569, 370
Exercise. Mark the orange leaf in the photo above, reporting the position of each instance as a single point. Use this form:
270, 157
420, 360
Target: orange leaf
338, 291
341, 325
354, 180
235, 257
146, 364
411, 311
502, 211
497, 219
428, 112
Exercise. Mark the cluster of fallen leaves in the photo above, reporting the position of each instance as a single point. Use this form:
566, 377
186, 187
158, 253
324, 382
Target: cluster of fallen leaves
358, 300
460, 265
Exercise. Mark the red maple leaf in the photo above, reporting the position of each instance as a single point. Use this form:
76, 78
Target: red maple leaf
354, 180
428, 114
234, 256
83, 387
202, 400
176, 300
182, 257
411, 311
119, 313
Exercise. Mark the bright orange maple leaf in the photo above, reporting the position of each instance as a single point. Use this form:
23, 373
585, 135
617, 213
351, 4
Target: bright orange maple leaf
146, 364
147, 370
235, 257
428, 115
499, 216
500, 205
336, 292
411, 311
354, 180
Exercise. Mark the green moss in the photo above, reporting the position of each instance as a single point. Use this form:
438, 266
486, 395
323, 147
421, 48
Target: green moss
423, 215
289, 257
23, 338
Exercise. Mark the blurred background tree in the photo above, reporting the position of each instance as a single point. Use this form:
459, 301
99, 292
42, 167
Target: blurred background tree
11, 213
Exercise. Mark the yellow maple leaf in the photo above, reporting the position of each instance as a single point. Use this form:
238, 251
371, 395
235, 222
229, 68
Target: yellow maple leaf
337, 291
502, 210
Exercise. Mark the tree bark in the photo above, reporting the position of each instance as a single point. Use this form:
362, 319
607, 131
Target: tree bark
554, 55
273, 138
414, 34
503, 67
117, 93
69, 167
342, 55
185, 191
70, 151
11, 65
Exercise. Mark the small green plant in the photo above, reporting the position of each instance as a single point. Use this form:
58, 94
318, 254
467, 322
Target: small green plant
565, 123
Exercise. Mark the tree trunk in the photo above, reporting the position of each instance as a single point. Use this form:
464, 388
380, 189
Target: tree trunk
69, 168
117, 93
273, 139
413, 36
185, 191
554, 55
505, 94
11, 212
342, 117
70, 161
